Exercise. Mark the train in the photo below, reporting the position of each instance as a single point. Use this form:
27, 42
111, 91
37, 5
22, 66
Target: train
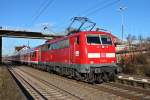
89, 56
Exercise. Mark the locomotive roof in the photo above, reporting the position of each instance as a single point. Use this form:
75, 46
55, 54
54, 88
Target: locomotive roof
64, 37
75, 34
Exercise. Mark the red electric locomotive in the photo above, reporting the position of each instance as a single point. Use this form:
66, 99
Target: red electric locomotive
85, 55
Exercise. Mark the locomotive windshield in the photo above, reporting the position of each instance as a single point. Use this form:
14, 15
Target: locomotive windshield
93, 39
106, 39
98, 39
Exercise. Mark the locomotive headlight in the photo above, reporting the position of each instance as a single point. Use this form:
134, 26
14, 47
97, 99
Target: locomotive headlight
91, 62
103, 46
112, 61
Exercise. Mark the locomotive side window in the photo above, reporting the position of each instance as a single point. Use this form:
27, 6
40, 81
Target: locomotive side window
106, 40
59, 45
93, 39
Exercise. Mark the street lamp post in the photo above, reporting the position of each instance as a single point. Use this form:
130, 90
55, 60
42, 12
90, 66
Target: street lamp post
122, 9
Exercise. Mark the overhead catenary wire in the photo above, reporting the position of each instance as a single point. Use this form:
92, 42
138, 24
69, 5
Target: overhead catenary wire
94, 9
93, 6
62, 24
41, 10
101, 8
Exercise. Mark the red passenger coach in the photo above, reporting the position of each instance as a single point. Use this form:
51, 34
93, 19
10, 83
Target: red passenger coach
26, 56
85, 55
33, 56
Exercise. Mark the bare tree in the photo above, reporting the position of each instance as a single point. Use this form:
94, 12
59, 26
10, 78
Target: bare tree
148, 43
141, 40
148, 39
130, 40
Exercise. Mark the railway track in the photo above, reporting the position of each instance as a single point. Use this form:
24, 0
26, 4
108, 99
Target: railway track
71, 86
40, 89
114, 89
80, 90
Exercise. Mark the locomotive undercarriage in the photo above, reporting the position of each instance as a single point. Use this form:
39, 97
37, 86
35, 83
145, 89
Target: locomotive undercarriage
94, 75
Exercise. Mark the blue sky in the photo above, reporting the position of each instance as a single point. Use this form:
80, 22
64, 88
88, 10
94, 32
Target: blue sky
21, 13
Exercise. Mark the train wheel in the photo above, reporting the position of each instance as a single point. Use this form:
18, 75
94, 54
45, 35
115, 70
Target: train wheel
91, 78
105, 77
77, 76
99, 78
112, 76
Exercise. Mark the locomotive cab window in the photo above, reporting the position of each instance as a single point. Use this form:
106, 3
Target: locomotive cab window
93, 39
106, 40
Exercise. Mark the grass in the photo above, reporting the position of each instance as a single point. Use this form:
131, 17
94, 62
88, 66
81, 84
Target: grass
8, 88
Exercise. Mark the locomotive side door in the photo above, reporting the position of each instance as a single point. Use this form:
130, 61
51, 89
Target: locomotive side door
74, 50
